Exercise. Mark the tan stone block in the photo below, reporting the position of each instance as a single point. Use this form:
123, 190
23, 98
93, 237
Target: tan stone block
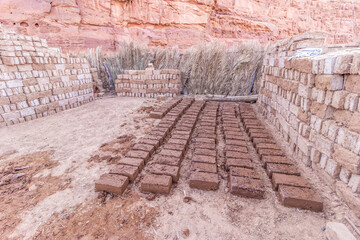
347, 159
352, 83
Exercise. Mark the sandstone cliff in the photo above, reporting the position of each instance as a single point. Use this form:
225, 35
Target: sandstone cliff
80, 24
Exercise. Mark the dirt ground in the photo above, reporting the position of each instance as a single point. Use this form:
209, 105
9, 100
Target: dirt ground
48, 168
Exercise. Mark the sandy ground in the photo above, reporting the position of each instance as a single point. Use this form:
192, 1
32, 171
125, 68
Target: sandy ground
62, 156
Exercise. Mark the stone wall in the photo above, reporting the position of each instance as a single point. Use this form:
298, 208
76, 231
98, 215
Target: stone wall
314, 102
149, 83
36, 81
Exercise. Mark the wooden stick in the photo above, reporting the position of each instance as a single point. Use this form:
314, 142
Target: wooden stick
353, 225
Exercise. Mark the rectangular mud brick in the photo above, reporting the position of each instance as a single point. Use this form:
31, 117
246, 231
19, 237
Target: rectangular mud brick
137, 162
205, 145
203, 167
230, 125
259, 135
288, 180
303, 198
204, 180
171, 153
138, 154
157, 115
234, 130
204, 151
266, 146
262, 140
154, 142
238, 155
204, 159
158, 133
144, 147
187, 133
281, 168
112, 183
126, 170
246, 187
206, 135
156, 183
172, 161
235, 142
235, 162
236, 148
177, 147
258, 130
177, 141
244, 172
206, 123
205, 140
161, 169
238, 132
239, 137
248, 127
276, 159
155, 137
270, 152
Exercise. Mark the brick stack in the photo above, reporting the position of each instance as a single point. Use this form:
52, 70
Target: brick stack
314, 102
149, 83
36, 81
243, 178
161, 111
204, 160
292, 189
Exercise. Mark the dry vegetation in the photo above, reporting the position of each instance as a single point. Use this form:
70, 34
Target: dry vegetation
210, 68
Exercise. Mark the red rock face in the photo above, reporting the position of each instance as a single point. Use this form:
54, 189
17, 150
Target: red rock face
81, 24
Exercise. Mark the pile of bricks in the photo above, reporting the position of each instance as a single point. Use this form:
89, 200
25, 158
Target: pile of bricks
36, 81
204, 160
314, 103
161, 111
149, 83
243, 178
292, 189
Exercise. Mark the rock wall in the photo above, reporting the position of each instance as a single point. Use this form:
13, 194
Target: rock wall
36, 81
81, 24
314, 102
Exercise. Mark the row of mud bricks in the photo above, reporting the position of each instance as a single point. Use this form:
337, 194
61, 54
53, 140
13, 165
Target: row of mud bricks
161, 111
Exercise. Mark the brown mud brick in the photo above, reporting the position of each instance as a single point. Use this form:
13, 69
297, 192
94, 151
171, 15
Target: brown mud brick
205, 140
177, 147
204, 151
206, 123
184, 129
203, 167
230, 125
228, 132
235, 142
156, 183
138, 154
204, 159
303, 198
239, 155
239, 137
177, 141
126, 170
157, 115
281, 168
154, 142
144, 147
155, 137
235, 162
235, 130
161, 169
248, 127
171, 153
172, 161
266, 146
180, 136
236, 148
136, 162
187, 133
270, 152
158, 133
257, 130
112, 183
205, 145
207, 128
288, 180
263, 140
204, 180
206, 135
244, 172
259, 135
246, 187
276, 159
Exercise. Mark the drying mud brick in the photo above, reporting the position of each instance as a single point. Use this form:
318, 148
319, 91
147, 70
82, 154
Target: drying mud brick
236, 142
204, 159
288, 180
171, 153
205, 145
112, 183
270, 152
144, 147
156, 183
126, 170
238, 155
176, 147
206, 152
244, 172
157, 115
246, 187
303, 198
275, 159
204, 181
235, 162
259, 135
136, 162
160, 169
206, 135
266, 146
235, 137
203, 167
236, 148
205, 140
138, 154
160, 139
172, 161
262, 140
177, 141
180, 136
154, 142
281, 168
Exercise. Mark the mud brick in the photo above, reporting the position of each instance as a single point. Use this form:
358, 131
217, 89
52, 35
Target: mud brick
155, 137
144, 147
235, 137
177, 147
267, 146
262, 140
235, 162
126, 170
148, 141
234, 130
207, 128
171, 153
230, 125
235, 142
205, 145
182, 132
236, 148
138, 154
204, 159
206, 135
203, 167
166, 160
239, 155
303, 198
238, 132
244, 172
204, 151
186, 130
257, 130
204, 180
181, 137
288, 180
136, 162
208, 124
281, 168
158, 133
157, 115
177, 141
205, 140
259, 135
156, 183
270, 152
248, 122
246, 187
166, 125
161, 169
276, 159
112, 183
250, 127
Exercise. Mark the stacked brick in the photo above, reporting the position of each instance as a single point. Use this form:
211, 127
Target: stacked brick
161, 111
314, 102
243, 178
36, 81
204, 174
149, 83
292, 189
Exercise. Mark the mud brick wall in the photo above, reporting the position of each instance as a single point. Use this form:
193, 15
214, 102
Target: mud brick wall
314, 102
36, 81
149, 83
